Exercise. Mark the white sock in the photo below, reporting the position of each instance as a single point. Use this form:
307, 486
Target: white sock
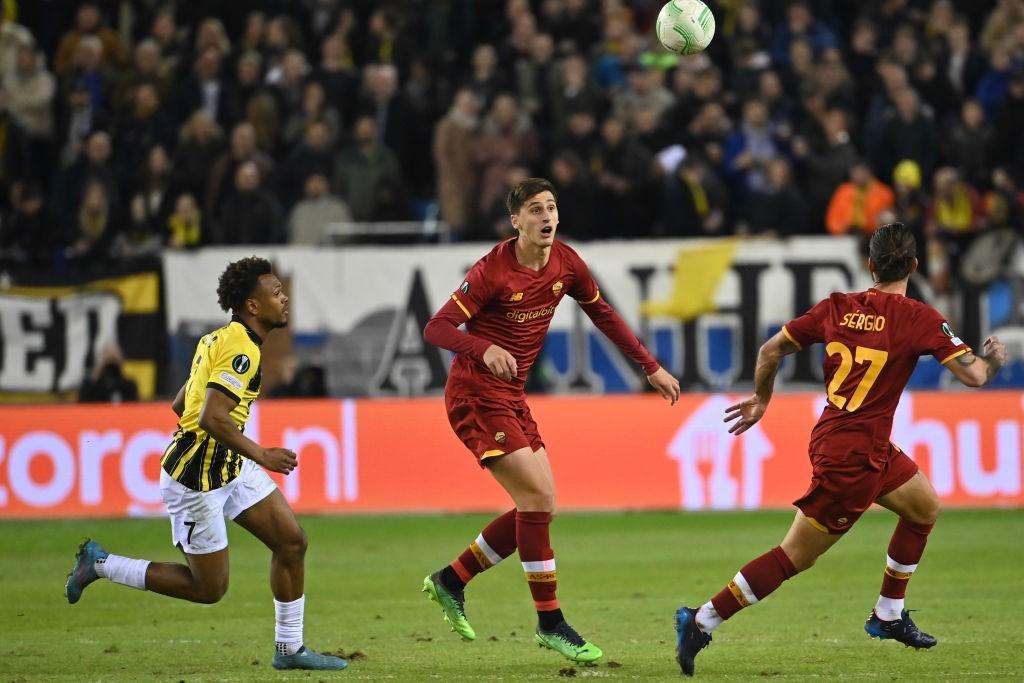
288, 625
889, 609
123, 570
707, 618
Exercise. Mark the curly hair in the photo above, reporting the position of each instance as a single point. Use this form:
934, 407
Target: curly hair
893, 249
239, 279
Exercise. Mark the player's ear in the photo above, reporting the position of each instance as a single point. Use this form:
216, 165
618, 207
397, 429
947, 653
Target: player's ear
913, 266
871, 267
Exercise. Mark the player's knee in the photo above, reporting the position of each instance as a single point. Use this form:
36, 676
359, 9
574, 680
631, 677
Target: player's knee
294, 545
537, 501
927, 511
210, 592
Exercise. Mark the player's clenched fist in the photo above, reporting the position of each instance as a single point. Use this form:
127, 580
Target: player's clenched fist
995, 349
500, 362
279, 460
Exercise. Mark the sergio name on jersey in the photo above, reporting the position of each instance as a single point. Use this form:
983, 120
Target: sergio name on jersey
227, 360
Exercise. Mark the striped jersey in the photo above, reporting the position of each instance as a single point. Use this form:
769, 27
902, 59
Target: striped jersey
226, 360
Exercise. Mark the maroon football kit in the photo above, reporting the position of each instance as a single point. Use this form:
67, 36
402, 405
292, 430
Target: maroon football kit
872, 340
504, 303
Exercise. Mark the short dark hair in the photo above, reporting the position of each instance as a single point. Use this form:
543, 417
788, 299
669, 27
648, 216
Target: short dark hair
518, 195
893, 250
238, 281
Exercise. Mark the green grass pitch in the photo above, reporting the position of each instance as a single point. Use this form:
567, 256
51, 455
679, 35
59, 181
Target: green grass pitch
621, 576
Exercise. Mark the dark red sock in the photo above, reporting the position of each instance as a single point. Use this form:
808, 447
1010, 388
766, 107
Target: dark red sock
496, 542
755, 581
905, 551
534, 541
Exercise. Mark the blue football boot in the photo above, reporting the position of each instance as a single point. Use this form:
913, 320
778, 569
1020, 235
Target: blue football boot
84, 571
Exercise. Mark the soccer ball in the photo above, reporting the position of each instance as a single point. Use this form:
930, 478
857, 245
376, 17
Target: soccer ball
685, 27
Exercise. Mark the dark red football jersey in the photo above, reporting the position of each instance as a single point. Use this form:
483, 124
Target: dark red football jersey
507, 304
872, 342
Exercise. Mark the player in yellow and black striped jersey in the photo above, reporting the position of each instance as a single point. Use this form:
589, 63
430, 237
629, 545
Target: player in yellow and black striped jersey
212, 470
226, 360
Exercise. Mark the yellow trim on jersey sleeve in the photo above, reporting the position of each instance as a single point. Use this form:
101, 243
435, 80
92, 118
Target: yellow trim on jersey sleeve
597, 295
491, 454
790, 337
464, 309
815, 523
956, 354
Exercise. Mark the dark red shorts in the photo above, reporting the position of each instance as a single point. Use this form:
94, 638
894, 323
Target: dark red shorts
492, 428
844, 486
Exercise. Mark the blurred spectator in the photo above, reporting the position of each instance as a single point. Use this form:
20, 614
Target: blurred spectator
907, 132
1004, 204
27, 235
208, 90
693, 202
963, 63
243, 149
336, 72
507, 138
106, 382
152, 202
251, 215
645, 90
95, 229
1009, 143
800, 25
708, 132
30, 94
955, 215
969, 144
367, 176
576, 203
824, 164
622, 168
573, 93
89, 23
485, 79
749, 148
312, 214
313, 156
994, 82
13, 36
93, 164
455, 156
200, 143
857, 204
87, 72
911, 205
144, 127
381, 101
535, 78
779, 209
164, 31
314, 109
185, 227
146, 69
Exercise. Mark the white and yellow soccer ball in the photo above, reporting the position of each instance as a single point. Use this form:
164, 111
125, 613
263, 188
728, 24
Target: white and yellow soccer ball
685, 27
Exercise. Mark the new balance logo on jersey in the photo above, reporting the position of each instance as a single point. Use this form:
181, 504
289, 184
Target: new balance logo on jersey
518, 296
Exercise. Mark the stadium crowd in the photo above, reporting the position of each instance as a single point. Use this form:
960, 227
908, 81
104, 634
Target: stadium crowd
129, 127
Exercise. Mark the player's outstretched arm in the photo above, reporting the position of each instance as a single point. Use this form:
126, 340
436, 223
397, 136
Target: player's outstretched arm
977, 371
749, 412
215, 420
178, 404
